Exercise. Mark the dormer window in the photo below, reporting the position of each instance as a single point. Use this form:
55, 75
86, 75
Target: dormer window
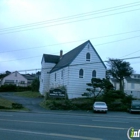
88, 57
81, 73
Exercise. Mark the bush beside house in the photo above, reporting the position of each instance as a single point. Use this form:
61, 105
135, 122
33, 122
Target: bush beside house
116, 101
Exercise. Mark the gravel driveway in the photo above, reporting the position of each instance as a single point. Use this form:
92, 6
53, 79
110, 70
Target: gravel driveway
31, 103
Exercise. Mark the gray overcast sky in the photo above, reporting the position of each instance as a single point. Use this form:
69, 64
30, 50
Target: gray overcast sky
30, 28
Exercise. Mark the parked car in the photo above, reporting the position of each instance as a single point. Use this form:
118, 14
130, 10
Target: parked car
135, 106
100, 107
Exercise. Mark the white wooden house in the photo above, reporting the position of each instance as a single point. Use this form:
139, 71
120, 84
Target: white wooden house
14, 78
72, 70
131, 85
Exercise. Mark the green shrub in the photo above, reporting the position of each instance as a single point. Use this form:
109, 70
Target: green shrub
8, 88
13, 88
117, 100
17, 106
73, 104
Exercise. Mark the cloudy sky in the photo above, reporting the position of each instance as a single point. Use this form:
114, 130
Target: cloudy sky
30, 28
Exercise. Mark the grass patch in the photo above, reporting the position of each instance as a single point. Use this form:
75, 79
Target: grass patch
4, 103
10, 105
29, 94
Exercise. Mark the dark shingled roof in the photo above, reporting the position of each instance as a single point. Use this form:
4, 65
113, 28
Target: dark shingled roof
71, 55
51, 58
132, 80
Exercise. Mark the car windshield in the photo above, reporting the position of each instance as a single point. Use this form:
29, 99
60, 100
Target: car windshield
99, 103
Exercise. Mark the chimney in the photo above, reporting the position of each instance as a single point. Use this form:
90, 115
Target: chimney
61, 54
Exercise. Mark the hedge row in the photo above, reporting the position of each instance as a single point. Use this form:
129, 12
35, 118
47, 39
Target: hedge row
116, 101
14, 88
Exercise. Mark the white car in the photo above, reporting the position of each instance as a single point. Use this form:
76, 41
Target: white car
100, 106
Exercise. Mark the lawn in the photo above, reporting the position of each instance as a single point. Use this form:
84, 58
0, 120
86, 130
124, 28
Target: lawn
4, 103
10, 105
30, 94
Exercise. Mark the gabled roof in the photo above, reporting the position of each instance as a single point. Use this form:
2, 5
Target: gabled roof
29, 77
67, 59
128, 79
50, 58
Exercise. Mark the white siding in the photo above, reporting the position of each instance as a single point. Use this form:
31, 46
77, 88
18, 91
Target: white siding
45, 77
135, 91
77, 86
17, 79
59, 80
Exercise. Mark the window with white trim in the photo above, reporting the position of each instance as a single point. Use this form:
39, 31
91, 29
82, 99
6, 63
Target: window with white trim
94, 74
81, 73
88, 56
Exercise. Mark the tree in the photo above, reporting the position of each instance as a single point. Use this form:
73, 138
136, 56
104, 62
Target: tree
35, 85
119, 69
98, 86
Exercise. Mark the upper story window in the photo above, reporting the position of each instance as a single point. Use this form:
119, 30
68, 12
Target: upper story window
88, 57
55, 76
94, 74
81, 73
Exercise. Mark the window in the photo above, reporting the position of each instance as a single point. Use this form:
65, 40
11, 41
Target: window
81, 73
88, 57
62, 74
55, 76
22, 82
94, 74
132, 85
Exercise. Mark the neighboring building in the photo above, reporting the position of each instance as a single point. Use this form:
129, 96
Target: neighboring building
14, 78
71, 70
131, 85
30, 78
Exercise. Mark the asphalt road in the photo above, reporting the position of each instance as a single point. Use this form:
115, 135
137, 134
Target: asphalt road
41, 124
66, 125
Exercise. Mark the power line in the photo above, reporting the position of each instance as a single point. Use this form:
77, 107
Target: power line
129, 58
94, 45
77, 15
131, 53
5, 30
78, 41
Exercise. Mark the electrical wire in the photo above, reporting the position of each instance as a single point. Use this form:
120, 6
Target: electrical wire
77, 15
111, 35
5, 30
129, 58
95, 45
